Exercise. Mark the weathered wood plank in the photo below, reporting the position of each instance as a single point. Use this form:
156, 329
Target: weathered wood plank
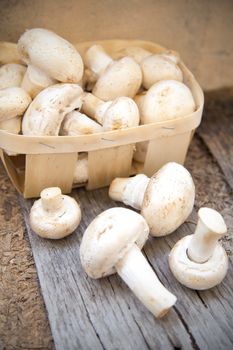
98, 314
216, 130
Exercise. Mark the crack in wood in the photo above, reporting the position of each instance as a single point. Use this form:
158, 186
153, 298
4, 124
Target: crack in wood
200, 297
192, 338
87, 313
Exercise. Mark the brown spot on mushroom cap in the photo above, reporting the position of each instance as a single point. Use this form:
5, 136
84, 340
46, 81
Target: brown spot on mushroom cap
121, 78
54, 55
107, 239
47, 111
166, 100
168, 199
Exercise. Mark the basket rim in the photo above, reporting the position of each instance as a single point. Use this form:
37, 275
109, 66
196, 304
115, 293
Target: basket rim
29, 144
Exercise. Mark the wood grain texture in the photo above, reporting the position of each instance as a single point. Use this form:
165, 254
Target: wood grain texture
104, 314
217, 130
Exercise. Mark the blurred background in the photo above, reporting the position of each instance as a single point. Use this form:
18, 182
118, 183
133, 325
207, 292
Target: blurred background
200, 30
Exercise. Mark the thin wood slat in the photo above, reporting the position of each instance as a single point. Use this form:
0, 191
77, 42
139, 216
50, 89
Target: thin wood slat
106, 165
104, 314
166, 149
38, 145
46, 170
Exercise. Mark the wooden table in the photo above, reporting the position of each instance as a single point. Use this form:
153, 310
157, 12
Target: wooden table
104, 314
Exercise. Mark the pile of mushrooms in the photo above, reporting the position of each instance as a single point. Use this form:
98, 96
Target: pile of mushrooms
63, 93
47, 88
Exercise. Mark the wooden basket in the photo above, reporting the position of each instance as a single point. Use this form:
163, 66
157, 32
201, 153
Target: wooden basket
44, 161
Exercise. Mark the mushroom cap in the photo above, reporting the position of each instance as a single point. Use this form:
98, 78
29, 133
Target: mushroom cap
168, 199
165, 100
121, 114
120, 78
109, 237
55, 224
11, 74
52, 54
158, 67
194, 275
47, 111
13, 102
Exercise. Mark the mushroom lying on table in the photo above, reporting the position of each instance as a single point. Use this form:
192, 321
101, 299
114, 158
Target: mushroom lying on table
113, 115
165, 100
198, 261
112, 243
47, 111
165, 200
114, 78
50, 59
54, 215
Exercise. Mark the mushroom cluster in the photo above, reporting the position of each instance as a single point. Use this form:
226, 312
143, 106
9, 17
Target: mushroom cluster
47, 88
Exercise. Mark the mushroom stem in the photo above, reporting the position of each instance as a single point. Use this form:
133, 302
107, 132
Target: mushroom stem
130, 191
35, 80
97, 60
51, 198
210, 228
90, 105
141, 279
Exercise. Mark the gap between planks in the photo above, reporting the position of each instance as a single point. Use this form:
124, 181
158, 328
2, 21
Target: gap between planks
104, 314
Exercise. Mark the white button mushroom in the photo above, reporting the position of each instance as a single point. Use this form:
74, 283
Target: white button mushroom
76, 123
114, 78
119, 78
165, 100
112, 243
47, 111
159, 67
50, 58
11, 74
13, 103
165, 200
113, 115
198, 261
54, 215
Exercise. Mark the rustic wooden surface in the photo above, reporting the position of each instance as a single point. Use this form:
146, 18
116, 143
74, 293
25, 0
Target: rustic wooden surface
104, 314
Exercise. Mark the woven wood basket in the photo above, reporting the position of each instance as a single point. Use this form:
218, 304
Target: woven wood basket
46, 161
